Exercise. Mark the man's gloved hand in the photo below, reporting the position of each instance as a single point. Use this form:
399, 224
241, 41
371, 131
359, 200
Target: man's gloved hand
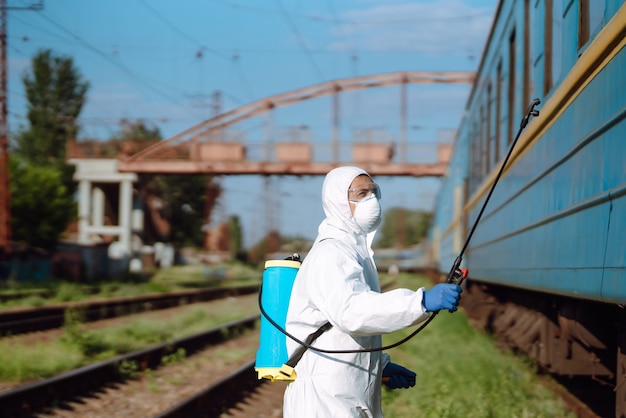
396, 376
442, 296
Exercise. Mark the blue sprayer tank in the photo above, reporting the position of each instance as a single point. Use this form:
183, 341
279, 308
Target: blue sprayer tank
278, 278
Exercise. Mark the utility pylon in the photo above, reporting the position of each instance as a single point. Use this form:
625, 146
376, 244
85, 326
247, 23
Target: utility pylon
5, 193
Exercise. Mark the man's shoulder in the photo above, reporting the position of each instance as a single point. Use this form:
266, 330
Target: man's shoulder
333, 246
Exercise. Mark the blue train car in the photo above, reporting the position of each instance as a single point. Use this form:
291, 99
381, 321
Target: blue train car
547, 259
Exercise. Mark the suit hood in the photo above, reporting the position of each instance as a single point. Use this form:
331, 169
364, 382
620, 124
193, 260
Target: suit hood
339, 222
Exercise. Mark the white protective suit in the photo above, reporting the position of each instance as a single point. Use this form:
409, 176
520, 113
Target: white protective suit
338, 282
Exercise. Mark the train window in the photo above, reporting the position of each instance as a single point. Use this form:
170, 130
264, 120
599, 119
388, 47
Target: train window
596, 15
525, 96
478, 152
479, 140
484, 140
547, 62
553, 46
511, 88
590, 16
475, 155
537, 49
490, 148
498, 110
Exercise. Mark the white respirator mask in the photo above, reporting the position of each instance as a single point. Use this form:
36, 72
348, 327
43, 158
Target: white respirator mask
367, 213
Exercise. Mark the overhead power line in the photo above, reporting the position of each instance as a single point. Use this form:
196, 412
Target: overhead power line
112, 61
175, 28
233, 57
301, 41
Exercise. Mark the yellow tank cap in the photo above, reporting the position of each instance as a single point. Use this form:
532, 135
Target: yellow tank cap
276, 374
282, 263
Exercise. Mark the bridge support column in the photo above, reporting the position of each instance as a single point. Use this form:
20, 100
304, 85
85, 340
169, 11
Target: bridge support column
91, 206
84, 219
125, 209
97, 205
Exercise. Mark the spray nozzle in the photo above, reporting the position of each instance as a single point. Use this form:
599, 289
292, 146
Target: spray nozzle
293, 257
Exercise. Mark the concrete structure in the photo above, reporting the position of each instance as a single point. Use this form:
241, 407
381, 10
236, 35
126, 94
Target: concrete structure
94, 226
202, 149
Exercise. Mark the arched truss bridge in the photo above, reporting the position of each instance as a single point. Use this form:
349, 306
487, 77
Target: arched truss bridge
196, 150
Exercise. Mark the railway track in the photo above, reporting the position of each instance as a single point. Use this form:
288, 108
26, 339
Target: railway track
27, 400
231, 393
239, 395
242, 395
23, 320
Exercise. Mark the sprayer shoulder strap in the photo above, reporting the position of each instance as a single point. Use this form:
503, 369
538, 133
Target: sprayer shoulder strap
297, 355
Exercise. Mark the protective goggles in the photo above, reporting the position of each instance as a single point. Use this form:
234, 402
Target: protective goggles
363, 192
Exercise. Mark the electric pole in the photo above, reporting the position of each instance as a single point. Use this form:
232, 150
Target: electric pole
5, 199
5, 194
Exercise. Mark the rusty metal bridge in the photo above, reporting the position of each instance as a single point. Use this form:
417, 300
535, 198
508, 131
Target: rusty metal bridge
205, 148
222, 145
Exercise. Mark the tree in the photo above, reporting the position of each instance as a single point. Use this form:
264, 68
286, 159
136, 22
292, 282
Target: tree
137, 131
185, 196
236, 237
42, 186
34, 223
267, 245
56, 94
402, 228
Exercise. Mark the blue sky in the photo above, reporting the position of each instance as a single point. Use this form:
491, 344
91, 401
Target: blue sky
162, 61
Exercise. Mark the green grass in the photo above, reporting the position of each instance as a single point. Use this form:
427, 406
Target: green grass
183, 277
78, 347
198, 275
461, 373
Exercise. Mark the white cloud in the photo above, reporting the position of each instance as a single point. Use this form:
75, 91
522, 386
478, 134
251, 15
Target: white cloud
441, 26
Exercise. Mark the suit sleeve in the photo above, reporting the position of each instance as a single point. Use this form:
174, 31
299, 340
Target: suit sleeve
343, 296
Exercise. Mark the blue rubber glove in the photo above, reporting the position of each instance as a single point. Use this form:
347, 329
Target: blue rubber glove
442, 296
396, 376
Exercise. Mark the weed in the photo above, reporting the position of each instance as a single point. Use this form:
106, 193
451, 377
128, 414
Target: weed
460, 372
67, 292
88, 343
178, 356
128, 369
153, 385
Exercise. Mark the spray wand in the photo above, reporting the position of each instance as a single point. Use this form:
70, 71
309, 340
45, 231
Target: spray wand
457, 275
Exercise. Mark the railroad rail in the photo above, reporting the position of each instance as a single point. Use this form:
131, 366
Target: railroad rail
23, 320
240, 394
25, 400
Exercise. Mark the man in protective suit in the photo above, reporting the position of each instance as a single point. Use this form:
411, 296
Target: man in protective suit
338, 283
